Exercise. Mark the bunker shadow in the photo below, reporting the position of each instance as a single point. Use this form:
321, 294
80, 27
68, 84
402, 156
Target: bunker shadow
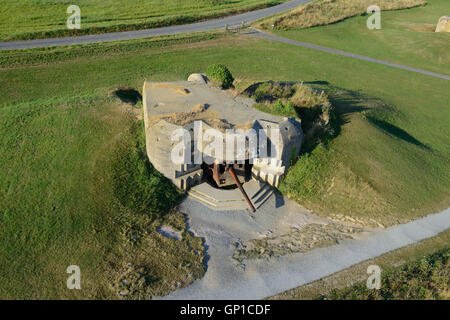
128, 95
395, 131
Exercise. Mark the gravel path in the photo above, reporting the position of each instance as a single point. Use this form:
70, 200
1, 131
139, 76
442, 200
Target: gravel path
225, 278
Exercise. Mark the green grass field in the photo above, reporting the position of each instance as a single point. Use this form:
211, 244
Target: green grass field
407, 37
71, 152
29, 19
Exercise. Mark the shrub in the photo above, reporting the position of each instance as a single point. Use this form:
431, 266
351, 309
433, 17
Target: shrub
270, 91
286, 109
220, 75
306, 97
312, 106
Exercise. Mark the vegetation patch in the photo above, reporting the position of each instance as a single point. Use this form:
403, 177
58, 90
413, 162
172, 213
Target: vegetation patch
427, 278
138, 186
298, 100
348, 185
152, 264
400, 40
220, 76
323, 12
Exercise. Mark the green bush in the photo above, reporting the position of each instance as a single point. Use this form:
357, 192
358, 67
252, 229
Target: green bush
285, 109
220, 75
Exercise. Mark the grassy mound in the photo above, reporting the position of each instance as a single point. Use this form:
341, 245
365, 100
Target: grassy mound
83, 192
323, 12
137, 185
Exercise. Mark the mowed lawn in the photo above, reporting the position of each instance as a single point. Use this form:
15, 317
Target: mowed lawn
27, 19
61, 129
406, 37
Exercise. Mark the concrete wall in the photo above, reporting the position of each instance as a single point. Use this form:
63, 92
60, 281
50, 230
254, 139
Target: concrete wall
159, 143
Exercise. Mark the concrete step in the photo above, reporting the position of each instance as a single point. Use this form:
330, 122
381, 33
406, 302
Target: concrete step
218, 206
218, 199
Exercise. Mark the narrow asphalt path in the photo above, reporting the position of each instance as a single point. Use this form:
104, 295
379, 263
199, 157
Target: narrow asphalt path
231, 21
347, 54
226, 279
209, 25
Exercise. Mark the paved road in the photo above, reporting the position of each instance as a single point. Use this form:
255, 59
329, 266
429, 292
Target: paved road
261, 278
347, 54
209, 25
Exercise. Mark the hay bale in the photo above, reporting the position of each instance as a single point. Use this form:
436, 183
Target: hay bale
443, 24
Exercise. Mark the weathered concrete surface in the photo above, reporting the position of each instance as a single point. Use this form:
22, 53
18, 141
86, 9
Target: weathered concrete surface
221, 200
443, 24
225, 278
181, 96
197, 107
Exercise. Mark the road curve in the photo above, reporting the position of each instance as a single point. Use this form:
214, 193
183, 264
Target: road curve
215, 24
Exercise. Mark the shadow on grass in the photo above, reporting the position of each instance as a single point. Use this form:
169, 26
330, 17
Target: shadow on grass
346, 102
128, 95
395, 131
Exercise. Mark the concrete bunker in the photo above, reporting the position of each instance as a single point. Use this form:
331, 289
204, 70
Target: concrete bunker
196, 109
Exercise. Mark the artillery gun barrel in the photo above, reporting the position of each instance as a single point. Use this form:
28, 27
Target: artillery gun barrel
239, 185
